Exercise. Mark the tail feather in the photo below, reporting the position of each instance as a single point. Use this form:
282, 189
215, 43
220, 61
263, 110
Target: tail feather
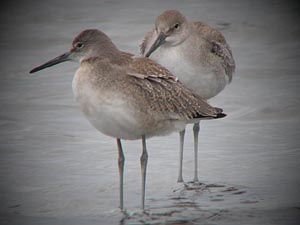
219, 114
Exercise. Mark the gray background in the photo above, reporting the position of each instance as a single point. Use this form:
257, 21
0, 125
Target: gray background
55, 168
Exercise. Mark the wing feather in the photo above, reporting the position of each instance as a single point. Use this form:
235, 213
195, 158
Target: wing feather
219, 46
166, 92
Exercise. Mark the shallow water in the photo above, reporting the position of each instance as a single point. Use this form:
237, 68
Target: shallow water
57, 169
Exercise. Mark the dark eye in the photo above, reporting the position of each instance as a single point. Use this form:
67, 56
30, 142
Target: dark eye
176, 26
79, 45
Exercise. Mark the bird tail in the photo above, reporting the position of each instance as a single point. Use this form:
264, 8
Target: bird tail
220, 113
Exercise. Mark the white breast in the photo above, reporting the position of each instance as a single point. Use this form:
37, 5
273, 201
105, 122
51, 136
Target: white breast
201, 80
107, 112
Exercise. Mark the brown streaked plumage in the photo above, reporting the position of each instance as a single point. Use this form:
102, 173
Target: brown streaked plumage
196, 53
128, 97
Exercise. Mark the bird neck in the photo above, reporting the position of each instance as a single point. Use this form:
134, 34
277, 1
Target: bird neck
107, 52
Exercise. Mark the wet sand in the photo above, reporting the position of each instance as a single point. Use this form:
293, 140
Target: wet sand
57, 169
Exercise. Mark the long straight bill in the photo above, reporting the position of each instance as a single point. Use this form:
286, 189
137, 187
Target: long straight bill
59, 59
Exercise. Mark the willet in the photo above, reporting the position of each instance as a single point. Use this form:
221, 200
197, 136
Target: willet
128, 97
194, 52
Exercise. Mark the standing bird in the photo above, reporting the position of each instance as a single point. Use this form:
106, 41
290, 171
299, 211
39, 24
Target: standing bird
195, 53
128, 97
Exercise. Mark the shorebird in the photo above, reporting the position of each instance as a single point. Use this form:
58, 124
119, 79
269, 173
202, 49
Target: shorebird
195, 53
129, 97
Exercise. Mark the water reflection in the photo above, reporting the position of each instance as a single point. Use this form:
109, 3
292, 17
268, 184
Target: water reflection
189, 200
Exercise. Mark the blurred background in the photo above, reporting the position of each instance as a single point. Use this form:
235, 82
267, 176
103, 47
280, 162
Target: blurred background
55, 168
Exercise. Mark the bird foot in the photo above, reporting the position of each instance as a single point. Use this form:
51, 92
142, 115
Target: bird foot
180, 180
192, 185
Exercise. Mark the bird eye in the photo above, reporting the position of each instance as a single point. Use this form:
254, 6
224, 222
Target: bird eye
79, 45
176, 26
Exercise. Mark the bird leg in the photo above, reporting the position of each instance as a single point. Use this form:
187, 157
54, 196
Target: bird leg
121, 161
181, 138
196, 130
144, 160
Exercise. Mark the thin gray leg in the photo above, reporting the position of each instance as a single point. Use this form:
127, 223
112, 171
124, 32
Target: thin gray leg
196, 129
181, 138
121, 161
144, 160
